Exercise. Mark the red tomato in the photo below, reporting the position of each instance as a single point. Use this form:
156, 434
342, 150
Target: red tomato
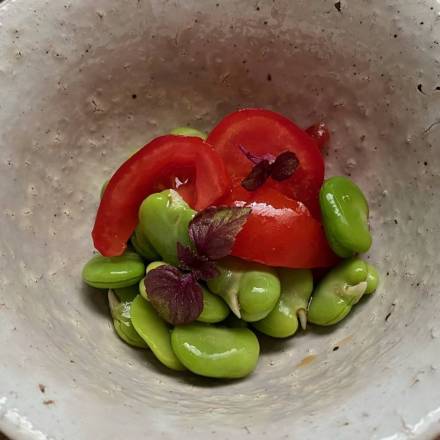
320, 133
280, 231
263, 131
150, 170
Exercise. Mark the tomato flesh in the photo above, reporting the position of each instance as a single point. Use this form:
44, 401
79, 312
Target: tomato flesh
154, 165
261, 132
280, 231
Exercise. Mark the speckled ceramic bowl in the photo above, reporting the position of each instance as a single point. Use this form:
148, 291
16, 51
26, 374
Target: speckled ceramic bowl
83, 83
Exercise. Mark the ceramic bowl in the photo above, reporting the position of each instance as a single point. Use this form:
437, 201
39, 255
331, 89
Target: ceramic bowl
82, 84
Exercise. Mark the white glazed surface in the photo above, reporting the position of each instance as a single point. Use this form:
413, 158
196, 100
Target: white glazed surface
68, 73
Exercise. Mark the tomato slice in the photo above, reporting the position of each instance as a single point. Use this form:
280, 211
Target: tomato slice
151, 168
280, 231
263, 131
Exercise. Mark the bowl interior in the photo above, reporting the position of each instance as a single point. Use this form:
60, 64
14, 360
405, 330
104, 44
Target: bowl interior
83, 85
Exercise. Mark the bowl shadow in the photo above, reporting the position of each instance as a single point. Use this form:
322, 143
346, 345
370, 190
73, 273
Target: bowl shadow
95, 299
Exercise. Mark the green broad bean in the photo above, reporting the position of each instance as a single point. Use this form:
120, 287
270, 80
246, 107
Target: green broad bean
345, 216
291, 309
155, 332
338, 292
214, 308
217, 352
188, 131
142, 245
372, 279
120, 311
114, 272
164, 218
126, 294
143, 289
155, 265
250, 289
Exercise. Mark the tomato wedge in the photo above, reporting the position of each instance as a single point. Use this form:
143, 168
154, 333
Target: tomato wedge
144, 173
280, 231
263, 131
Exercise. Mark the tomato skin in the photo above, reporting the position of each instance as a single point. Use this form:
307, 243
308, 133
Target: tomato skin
320, 134
140, 176
263, 131
280, 231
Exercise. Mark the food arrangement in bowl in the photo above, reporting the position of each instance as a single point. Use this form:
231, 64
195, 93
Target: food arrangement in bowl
85, 82
207, 241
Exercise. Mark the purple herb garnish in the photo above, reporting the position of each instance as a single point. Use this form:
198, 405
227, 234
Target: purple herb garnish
259, 174
200, 265
279, 168
284, 166
176, 296
214, 230
175, 293
255, 159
